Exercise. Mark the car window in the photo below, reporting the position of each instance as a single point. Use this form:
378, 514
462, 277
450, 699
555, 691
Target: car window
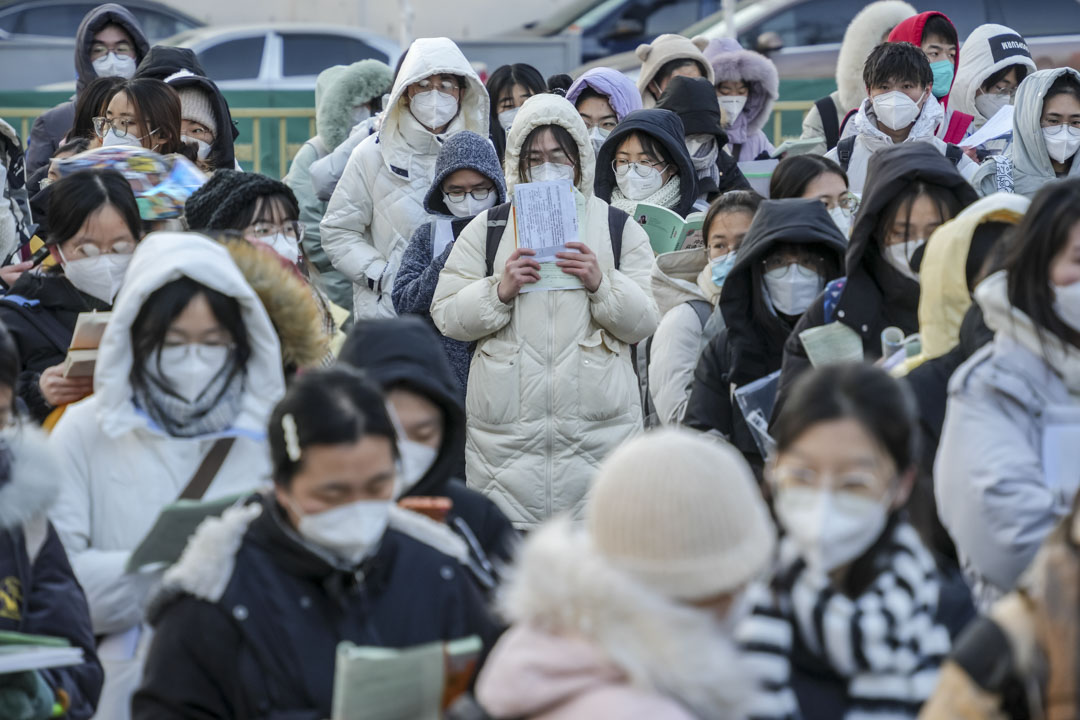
670, 17
1046, 17
53, 20
158, 25
808, 23
311, 53
238, 59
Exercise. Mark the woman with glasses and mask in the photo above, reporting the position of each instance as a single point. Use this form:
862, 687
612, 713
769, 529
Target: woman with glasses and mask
188, 371
143, 112
817, 177
790, 252
94, 226
551, 387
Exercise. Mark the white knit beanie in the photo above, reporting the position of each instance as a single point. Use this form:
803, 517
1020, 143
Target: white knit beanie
681, 513
195, 106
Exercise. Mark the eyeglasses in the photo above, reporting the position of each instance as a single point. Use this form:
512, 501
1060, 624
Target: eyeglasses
641, 169
849, 202
292, 229
99, 50
477, 194
856, 482
89, 249
121, 126
204, 350
805, 261
558, 157
442, 83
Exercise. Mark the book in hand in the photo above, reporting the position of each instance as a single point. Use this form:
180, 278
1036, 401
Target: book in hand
831, 344
175, 524
82, 355
418, 683
20, 652
667, 230
796, 146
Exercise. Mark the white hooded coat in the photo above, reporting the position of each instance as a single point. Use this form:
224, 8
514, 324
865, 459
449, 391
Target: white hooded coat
988, 49
120, 471
380, 198
551, 387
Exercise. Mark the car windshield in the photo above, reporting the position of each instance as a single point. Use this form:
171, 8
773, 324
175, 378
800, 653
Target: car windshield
746, 12
565, 17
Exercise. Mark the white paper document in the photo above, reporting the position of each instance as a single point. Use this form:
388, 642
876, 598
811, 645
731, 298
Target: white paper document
998, 126
19, 658
545, 216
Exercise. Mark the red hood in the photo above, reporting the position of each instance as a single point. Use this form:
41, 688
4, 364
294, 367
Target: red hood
911, 31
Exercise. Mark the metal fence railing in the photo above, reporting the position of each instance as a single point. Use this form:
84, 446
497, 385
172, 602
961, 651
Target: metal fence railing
787, 117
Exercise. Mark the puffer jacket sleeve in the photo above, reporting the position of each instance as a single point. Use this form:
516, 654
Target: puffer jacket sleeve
466, 305
311, 208
709, 407
673, 356
813, 128
346, 227
623, 304
326, 172
417, 275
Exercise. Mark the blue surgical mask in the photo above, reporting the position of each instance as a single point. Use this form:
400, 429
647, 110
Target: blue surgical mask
943, 77
721, 267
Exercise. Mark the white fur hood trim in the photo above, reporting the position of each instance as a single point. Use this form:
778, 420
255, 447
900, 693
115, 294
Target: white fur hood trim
205, 568
35, 477
862, 35
562, 586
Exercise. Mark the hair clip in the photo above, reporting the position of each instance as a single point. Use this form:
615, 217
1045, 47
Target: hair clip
292, 437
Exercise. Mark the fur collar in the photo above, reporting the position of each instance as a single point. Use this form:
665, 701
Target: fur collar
862, 35
35, 476
561, 586
357, 84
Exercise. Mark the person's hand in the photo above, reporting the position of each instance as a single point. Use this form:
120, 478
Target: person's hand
25, 696
520, 270
59, 390
11, 273
582, 265
972, 153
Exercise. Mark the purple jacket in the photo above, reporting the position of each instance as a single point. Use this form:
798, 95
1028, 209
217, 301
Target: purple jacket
620, 90
731, 62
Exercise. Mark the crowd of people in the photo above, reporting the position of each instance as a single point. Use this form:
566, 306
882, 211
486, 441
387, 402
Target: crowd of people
819, 461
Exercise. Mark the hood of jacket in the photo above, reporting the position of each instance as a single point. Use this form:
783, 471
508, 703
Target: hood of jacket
731, 62
863, 34
694, 101
339, 89
548, 109
427, 57
464, 151
988, 49
32, 476
666, 127
911, 31
99, 17
662, 50
944, 297
406, 351
159, 259
674, 278
165, 60
622, 94
563, 588
222, 153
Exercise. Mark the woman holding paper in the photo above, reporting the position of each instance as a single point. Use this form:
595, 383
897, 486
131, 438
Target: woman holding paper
551, 386
188, 371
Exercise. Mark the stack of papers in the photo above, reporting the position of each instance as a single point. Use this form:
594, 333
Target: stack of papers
20, 652
545, 220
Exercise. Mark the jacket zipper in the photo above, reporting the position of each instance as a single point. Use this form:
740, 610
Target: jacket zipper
551, 400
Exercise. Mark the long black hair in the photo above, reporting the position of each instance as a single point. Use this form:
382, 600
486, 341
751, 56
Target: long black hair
75, 197
91, 103
794, 174
501, 81
566, 144
157, 109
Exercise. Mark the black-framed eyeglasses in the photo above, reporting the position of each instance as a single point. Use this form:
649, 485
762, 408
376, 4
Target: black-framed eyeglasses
477, 194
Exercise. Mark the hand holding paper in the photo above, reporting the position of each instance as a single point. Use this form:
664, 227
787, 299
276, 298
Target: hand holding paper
581, 264
521, 269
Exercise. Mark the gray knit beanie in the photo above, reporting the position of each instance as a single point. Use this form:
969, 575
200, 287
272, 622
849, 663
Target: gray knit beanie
195, 106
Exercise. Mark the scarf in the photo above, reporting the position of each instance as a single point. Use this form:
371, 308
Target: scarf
213, 412
667, 196
705, 162
887, 644
706, 285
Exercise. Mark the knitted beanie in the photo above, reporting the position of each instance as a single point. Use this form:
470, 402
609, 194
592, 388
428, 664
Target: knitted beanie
682, 514
195, 106
218, 204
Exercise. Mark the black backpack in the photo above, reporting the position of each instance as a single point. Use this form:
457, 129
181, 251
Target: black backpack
845, 147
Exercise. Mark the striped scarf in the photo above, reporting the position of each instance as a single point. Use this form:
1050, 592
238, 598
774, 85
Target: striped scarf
886, 644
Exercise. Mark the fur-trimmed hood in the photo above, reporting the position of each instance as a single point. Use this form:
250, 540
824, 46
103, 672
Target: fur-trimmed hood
563, 589
349, 86
33, 479
547, 109
731, 62
863, 34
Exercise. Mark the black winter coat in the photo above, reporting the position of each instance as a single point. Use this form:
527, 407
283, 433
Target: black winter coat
266, 647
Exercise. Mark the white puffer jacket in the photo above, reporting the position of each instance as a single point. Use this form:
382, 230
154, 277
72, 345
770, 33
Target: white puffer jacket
119, 472
551, 388
380, 198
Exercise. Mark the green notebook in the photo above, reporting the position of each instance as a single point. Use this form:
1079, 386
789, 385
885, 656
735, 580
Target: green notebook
668, 231
176, 523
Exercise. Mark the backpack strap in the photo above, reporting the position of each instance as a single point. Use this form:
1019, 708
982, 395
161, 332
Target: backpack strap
703, 309
616, 224
207, 470
497, 218
830, 123
958, 125
735, 150
847, 118
844, 149
954, 153
45, 323
833, 292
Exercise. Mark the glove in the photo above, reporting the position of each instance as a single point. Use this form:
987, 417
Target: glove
25, 696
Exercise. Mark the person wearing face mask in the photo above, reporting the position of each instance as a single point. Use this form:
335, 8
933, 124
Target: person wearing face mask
1002, 476
900, 109
551, 388
791, 250
109, 41
694, 101
644, 160
401, 355
911, 191
205, 121
686, 285
468, 181
94, 226
603, 97
1045, 137
317, 561
379, 202
143, 112
188, 371
641, 620
856, 616
747, 85
508, 88
813, 176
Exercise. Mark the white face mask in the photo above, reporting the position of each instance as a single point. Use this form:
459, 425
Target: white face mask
895, 110
635, 186
597, 136
113, 65
416, 460
433, 109
506, 118
842, 219
360, 114
831, 529
1067, 304
793, 288
1062, 141
989, 103
550, 172
352, 532
733, 106
469, 206
189, 369
899, 256
203, 146
284, 246
111, 139
100, 276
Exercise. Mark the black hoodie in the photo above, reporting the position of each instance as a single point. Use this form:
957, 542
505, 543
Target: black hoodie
164, 60
666, 127
752, 344
405, 352
875, 295
222, 155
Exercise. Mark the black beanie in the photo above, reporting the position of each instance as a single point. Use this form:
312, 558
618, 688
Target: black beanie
219, 202
694, 101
